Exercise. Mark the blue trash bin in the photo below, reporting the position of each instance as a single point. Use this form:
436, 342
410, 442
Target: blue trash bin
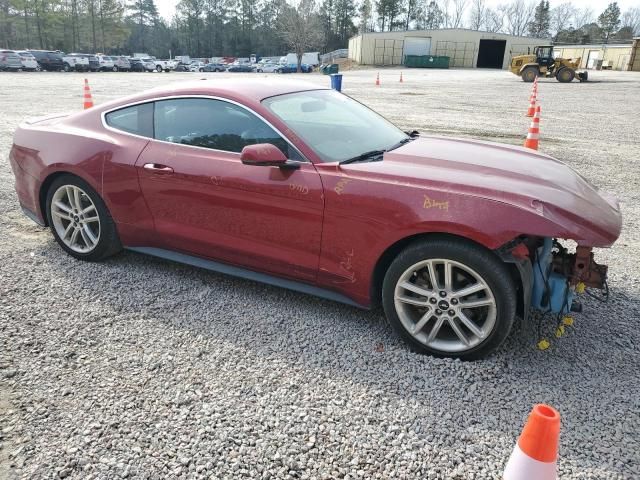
336, 81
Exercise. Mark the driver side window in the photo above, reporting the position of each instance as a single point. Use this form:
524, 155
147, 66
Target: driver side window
214, 124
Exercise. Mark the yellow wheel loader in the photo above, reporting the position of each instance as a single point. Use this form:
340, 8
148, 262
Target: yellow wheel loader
543, 64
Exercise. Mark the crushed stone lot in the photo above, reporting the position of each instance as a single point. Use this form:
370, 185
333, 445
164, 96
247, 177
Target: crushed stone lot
142, 368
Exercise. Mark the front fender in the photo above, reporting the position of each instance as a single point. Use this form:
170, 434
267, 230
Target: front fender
528, 65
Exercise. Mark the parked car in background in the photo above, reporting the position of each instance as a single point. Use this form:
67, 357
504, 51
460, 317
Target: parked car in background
137, 65
165, 65
148, 64
10, 61
181, 67
76, 61
48, 60
293, 68
106, 63
241, 67
94, 64
269, 67
29, 62
214, 67
121, 64
196, 67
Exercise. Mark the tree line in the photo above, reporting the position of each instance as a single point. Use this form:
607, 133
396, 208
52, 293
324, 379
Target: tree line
206, 28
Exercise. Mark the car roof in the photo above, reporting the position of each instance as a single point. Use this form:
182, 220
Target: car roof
254, 89
244, 90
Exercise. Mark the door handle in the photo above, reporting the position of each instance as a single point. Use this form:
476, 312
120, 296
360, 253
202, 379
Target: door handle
157, 168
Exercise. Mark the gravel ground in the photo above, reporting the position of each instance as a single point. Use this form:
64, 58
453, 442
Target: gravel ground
141, 368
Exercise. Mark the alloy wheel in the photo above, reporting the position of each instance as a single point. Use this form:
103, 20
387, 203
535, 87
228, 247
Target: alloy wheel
445, 305
75, 218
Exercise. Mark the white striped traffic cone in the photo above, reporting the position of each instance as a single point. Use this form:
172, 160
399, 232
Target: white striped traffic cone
88, 101
533, 136
532, 105
535, 456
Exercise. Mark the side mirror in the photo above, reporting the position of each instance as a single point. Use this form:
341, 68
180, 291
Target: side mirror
265, 154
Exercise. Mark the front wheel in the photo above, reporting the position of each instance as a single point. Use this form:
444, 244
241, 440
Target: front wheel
449, 298
67, 67
159, 69
529, 74
80, 221
565, 75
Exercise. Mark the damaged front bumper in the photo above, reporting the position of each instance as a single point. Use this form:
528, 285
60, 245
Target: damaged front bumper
551, 276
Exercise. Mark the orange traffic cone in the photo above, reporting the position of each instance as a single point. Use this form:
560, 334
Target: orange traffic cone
401, 77
378, 80
535, 456
88, 101
532, 106
533, 135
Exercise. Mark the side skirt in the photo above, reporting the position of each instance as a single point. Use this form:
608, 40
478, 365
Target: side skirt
244, 273
32, 216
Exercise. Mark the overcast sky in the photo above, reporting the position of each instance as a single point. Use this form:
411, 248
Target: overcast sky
167, 7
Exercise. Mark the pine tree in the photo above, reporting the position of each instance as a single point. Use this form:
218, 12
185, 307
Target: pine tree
143, 13
433, 17
541, 23
365, 16
609, 20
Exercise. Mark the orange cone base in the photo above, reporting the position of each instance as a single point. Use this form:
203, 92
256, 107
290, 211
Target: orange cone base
532, 141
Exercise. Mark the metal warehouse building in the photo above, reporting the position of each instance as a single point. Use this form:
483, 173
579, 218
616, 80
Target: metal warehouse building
614, 57
465, 48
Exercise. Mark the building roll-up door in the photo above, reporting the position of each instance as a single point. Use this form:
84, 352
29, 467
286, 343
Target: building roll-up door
417, 46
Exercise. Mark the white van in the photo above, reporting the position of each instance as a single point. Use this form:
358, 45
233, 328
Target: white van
309, 58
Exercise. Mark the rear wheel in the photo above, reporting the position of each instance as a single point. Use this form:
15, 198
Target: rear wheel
529, 74
80, 221
67, 67
449, 298
565, 75
159, 69
114, 69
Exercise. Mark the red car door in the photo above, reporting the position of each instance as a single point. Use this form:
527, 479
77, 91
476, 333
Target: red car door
205, 201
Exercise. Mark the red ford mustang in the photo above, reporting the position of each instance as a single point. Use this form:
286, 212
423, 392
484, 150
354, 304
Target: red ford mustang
303, 187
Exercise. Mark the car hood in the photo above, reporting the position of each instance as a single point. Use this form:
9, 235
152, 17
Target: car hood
519, 176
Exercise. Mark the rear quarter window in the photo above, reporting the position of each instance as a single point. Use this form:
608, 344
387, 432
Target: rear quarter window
137, 119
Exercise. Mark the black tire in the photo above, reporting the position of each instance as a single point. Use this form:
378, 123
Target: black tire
484, 262
108, 243
529, 74
565, 75
114, 69
67, 67
158, 68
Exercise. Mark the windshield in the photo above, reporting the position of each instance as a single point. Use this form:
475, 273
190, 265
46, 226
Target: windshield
335, 126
